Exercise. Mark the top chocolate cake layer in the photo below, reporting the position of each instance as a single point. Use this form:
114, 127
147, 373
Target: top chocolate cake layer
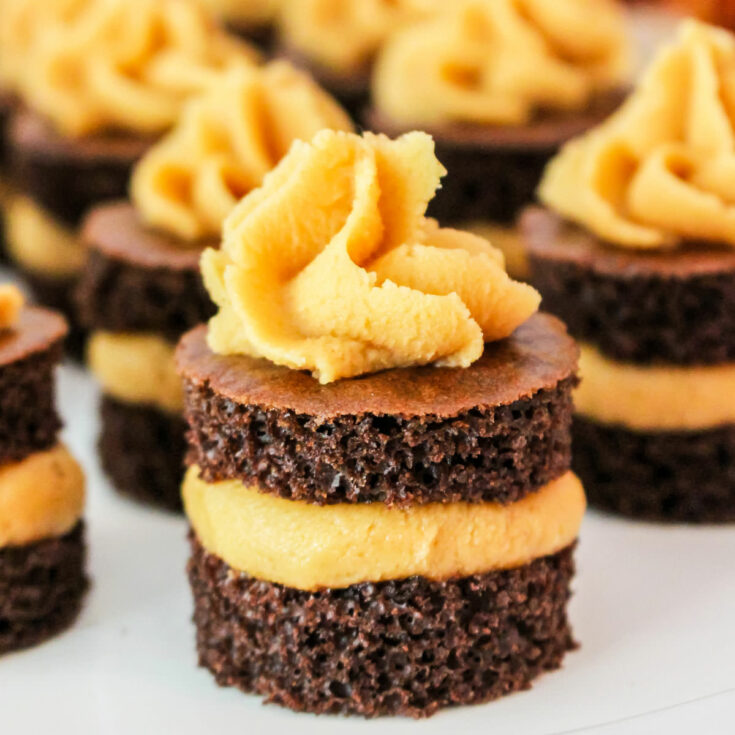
547, 131
29, 353
670, 306
537, 356
139, 279
37, 331
497, 430
67, 176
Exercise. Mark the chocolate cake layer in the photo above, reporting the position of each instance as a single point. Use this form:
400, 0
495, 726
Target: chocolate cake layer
667, 476
405, 647
138, 279
29, 353
7, 106
493, 171
142, 451
42, 587
673, 307
66, 176
493, 432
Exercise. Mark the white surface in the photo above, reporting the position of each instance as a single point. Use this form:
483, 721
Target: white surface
653, 610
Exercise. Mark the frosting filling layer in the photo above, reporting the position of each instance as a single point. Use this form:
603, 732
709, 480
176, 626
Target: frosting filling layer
655, 397
136, 368
39, 243
309, 547
41, 497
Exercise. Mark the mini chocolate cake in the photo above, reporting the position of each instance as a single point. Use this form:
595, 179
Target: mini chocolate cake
61, 179
494, 170
64, 176
498, 431
139, 282
42, 548
665, 309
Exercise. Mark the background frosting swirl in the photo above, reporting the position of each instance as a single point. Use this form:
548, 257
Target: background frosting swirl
126, 65
499, 62
661, 170
332, 267
226, 141
343, 35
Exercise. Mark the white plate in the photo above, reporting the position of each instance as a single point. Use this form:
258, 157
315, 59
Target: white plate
653, 611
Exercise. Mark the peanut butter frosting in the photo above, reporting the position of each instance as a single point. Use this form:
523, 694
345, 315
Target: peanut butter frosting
344, 35
309, 547
126, 65
11, 302
24, 22
660, 171
501, 62
227, 140
332, 267
41, 497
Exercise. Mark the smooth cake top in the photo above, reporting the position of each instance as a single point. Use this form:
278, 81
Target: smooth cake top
331, 266
552, 238
34, 330
498, 62
116, 230
660, 171
538, 355
226, 141
115, 64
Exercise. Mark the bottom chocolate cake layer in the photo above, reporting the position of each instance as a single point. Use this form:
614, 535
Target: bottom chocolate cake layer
142, 450
667, 476
42, 586
408, 647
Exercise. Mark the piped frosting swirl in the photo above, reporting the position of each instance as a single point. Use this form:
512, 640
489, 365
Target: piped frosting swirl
344, 35
332, 267
226, 141
125, 65
500, 62
661, 170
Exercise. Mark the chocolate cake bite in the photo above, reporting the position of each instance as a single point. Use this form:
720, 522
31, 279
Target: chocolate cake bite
495, 133
393, 533
72, 147
42, 547
648, 287
139, 292
141, 288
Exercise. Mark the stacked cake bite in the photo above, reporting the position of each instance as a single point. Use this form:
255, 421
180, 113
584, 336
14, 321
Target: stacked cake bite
142, 290
97, 81
500, 85
42, 550
392, 533
636, 252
